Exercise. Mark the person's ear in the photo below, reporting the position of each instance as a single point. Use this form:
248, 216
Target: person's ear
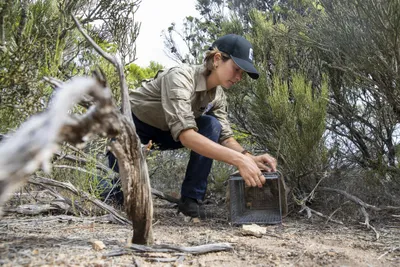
217, 60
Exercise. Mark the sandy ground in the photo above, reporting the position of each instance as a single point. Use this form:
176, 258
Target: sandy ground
60, 240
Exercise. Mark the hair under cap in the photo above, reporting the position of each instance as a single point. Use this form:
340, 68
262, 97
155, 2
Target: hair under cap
240, 50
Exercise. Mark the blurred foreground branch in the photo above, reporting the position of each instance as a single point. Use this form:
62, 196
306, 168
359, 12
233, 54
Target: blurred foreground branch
32, 146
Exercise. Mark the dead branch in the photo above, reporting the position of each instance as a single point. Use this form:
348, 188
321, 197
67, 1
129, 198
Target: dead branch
202, 249
74, 168
163, 259
75, 208
32, 146
164, 196
58, 218
125, 105
311, 211
83, 161
196, 250
363, 208
359, 201
336, 210
109, 171
68, 186
389, 251
312, 194
131, 161
31, 209
366, 222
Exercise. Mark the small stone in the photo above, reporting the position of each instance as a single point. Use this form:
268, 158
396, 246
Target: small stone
98, 245
234, 239
196, 220
98, 263
254, 230
331, 253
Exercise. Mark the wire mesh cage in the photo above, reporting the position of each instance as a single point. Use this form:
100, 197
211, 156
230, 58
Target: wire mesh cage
253, 204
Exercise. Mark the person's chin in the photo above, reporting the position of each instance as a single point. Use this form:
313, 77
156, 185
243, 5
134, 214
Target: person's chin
227, 85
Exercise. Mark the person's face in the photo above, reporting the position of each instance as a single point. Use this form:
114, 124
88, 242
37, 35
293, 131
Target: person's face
228, 72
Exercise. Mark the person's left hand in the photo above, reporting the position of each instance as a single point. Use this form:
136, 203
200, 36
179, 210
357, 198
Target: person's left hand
265, 162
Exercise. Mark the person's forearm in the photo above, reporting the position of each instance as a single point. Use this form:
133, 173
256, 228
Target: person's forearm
204, 146
230, 153
232, 144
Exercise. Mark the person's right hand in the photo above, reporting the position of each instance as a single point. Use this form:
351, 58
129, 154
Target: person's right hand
250, 172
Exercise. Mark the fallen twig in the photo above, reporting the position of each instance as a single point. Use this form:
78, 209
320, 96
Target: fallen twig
80, 160
109, 171
163, 259
359, 201
302, 202
58, 218
75, 208
309, 211
68, 186
363, 208
31, 209
366, 222
387, 252
336, 210
202, 249
115, 253
196, 250
164, 196
75, 168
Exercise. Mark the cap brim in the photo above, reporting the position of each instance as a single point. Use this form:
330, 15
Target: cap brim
247, 67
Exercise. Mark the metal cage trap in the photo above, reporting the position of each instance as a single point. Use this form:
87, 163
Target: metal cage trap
257, 205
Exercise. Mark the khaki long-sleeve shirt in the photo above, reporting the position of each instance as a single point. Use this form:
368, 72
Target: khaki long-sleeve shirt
177, 96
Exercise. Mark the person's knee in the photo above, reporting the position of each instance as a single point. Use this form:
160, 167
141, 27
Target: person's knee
209, 126
216, 125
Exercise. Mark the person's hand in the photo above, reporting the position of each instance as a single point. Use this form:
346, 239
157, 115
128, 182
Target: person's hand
250, 172
265, 162
251, 167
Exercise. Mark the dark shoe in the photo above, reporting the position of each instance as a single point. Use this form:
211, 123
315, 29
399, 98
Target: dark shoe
192, 207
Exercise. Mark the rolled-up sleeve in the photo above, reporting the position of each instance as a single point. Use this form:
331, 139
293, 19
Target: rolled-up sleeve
176, 91
220, 112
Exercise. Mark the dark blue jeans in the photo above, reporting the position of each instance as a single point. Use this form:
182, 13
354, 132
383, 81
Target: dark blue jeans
195, 183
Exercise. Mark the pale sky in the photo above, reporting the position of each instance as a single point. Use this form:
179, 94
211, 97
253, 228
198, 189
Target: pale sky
157, 15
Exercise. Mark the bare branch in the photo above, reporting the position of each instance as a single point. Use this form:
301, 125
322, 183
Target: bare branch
68, 186
32, 146
126, 106
72, 158
359, 201
96, 47
363, 207
196, 250
310, 211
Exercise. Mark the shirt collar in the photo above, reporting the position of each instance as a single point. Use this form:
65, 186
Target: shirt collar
200, 78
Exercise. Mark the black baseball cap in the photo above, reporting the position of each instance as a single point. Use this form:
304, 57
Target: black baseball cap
240, 50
